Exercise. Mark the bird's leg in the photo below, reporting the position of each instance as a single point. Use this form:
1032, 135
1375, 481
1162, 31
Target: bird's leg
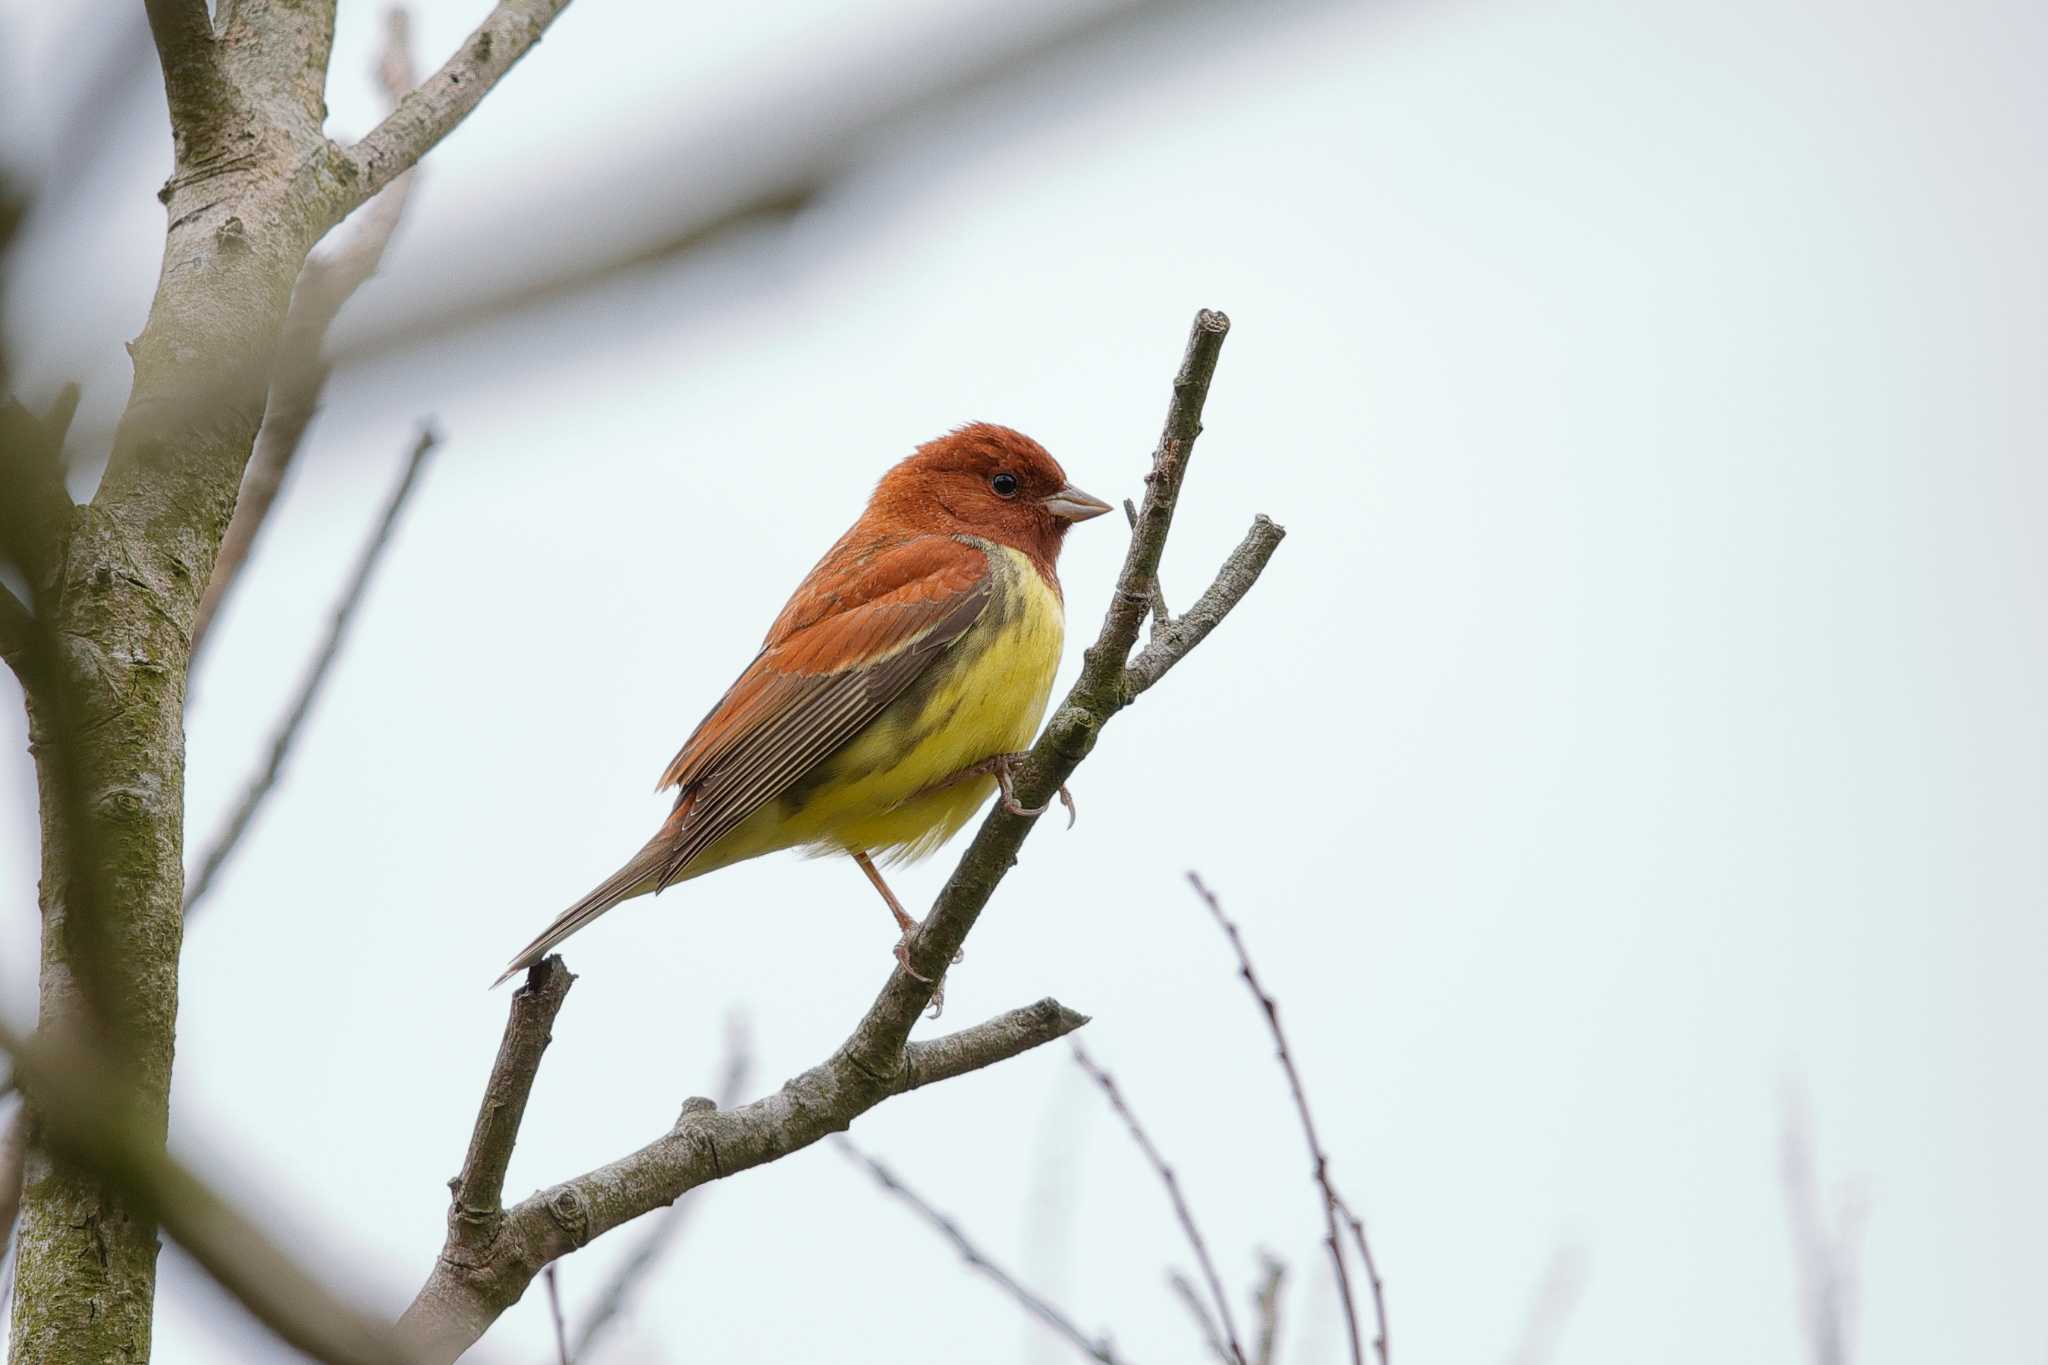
998, 766
908, 925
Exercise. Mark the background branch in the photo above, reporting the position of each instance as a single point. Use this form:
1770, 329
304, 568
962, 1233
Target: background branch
1266, 1309
324, 285
1181, 1210
1042, 1309
611, 1302
1333, 1206
432, 110
260, 787
78, 1112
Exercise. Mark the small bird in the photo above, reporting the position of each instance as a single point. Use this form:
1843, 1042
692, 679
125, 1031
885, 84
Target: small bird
905, 674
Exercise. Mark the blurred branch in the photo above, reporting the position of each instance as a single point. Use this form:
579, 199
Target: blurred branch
1050, 1315
737, 1073
432, 110
1555, 1298
1826, 1255
1333, 1206
78, 1113
475, 1279
1266, 1309
260, 787
1229, 1338
1205, 1322
555, 1312
802, 144
324, 285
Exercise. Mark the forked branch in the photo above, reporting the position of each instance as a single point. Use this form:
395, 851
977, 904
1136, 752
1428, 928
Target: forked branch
492, 1255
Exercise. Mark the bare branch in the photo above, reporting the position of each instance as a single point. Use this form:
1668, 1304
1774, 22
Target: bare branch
77, 1112
555, 1312
194, 85
432, 110
327, 281
475, 1207
1555, 1297
1048, 1313
1191, 1297
260, 787
1826, 1254
738, 1071
1173, 1192
1333, 1206
1266, 1309
471, 1285
1172, 640
1160, 615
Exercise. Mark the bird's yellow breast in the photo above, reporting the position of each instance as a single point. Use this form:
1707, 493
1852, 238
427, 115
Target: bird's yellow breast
881, 792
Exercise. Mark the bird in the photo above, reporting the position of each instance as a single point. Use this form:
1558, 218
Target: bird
892, 694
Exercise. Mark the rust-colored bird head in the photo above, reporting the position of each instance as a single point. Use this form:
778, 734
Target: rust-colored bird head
988, 481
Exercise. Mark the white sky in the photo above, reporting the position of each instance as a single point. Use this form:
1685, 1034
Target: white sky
1642, 717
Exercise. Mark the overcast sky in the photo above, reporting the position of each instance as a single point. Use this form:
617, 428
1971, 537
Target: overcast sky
1641, 723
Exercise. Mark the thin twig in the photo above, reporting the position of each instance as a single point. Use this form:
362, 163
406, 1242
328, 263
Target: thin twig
260, 787
1173, 1192
431, 110
1170, 643
1191, 1298
1333, 1206
1266, 1309
326, 282
1094, 1348
735, 1076
555, 1312
1552, 1304
1161, 617
1826, 1254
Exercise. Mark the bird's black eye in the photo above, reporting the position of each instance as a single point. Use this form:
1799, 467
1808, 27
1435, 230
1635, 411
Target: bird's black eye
1005, 485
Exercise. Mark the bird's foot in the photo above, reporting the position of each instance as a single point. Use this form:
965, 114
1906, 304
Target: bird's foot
938, 986
1001, 768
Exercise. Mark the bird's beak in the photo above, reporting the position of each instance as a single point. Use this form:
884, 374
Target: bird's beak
1071, 504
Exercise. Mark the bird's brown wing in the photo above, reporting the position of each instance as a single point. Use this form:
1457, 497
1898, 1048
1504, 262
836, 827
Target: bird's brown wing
867, 621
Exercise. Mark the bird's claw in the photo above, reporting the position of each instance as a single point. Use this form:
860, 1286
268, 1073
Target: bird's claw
939, 985
1003, 763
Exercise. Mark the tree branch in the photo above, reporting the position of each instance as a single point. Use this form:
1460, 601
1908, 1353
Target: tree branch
259, 788
1180, 1206
1042, 1309
1173, 637
611, 1302
1266, 1309
464, 1294
194, 86
432, 110
1333, 1205
77, 1111
471, 1284
325, 283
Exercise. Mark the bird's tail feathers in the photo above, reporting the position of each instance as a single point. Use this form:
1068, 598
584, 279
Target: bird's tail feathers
635, 878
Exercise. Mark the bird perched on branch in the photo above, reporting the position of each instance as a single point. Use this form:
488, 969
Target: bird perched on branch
906, 673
